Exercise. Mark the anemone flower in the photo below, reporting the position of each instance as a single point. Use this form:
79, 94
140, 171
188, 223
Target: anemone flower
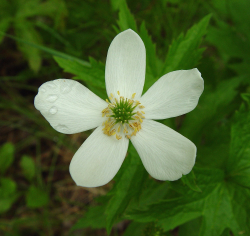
71, 108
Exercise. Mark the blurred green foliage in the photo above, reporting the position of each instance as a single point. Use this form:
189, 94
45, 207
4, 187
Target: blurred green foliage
37, 194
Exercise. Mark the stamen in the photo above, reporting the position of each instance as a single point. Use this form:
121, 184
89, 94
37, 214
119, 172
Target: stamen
118, 137
123, 114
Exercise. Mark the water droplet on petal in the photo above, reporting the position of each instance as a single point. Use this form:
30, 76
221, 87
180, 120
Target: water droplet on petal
53, 110
66, 86
51, 84
62, 128
52, 98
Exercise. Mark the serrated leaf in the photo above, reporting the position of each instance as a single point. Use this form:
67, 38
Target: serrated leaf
152, 59
215, 204
8, 194
36, 197
211, 107
126, 19
6, 156
128, 185
93, 218
238, 165
28, 167
184, 53
92, 74
190, 181
134, 229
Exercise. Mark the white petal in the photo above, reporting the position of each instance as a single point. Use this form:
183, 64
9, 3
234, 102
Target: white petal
165, 153
68, 106
125, 65
174, 94
98, 159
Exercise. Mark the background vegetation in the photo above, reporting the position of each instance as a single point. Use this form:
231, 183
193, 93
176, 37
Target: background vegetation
42, 40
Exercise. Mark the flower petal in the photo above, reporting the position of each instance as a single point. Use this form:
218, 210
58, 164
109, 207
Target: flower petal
68, 106
125, 65
165, 153
174, 94
98, 159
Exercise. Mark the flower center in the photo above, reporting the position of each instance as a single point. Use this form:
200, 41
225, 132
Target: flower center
124, 116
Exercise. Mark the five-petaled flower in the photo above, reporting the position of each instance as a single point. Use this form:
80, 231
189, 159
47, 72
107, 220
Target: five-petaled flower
71, 108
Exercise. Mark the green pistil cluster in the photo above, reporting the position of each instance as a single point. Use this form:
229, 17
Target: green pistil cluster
123, 110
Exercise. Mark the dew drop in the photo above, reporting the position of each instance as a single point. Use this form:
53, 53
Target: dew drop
53, 110
62, 128
51, 98
51, 85
66, 86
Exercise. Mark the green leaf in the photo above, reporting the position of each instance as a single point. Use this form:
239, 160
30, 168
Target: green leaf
129, 182
92, 75
28, 167
184, 53
29, 8
135, 229
4, 24
216, 204
126, 19
26, 31
212, 107
93, 218
153, 62
173, 212
238, 165
192, 227
46, 49
6, 156
223, 202
115, 4
190, 181
36, 197
8, 194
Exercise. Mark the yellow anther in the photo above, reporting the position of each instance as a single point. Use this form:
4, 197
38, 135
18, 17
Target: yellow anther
130, 102
137, 102
119, 129
118, 137
125, 130
118, 93
142, 116
107, 100
141, 106
112, 132
111, 95
128, 136
142, 112
133, 95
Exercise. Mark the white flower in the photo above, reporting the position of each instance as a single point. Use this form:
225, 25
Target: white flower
72, 108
